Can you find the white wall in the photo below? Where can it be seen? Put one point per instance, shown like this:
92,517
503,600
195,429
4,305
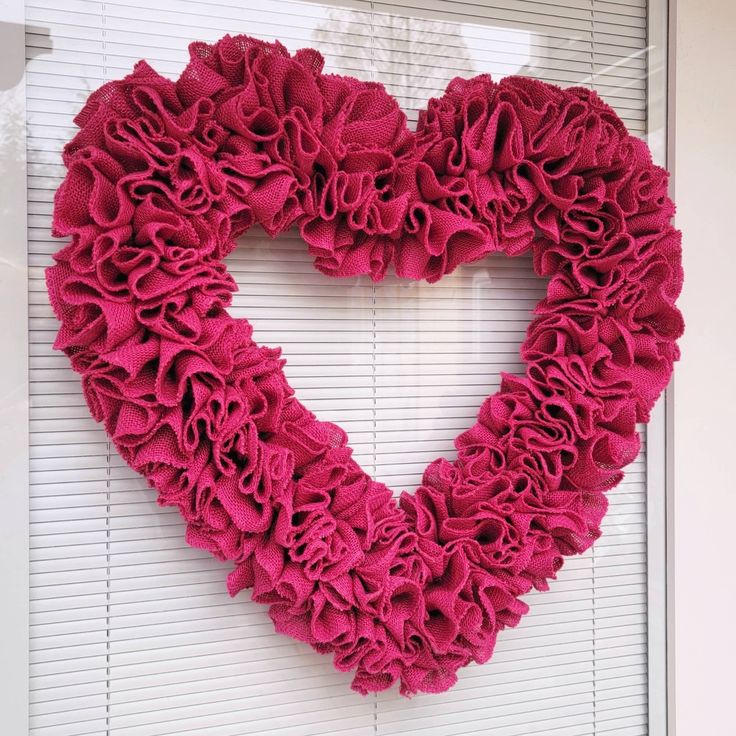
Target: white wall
704,405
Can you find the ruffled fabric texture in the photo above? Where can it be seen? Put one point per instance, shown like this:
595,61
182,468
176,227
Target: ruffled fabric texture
164,176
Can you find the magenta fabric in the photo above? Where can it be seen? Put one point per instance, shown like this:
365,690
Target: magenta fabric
164,176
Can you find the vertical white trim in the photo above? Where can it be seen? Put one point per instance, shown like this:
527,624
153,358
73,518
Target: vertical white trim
659,610
13,373
670,393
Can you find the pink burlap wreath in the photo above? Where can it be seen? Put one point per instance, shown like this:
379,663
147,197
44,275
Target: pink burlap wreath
162,179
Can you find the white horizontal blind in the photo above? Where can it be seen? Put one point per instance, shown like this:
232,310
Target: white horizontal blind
132,632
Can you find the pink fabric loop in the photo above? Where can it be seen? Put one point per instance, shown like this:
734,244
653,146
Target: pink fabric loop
164,176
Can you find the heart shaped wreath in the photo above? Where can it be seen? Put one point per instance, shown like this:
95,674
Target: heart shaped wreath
164,176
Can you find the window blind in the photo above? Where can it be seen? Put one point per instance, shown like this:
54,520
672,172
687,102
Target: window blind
132,632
